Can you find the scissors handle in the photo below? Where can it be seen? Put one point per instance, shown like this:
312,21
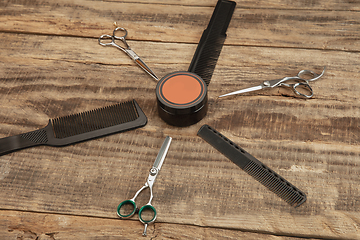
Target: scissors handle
144,209
122,30
302,89
312,76
126,203
129,206
303,86
147,213
104,38
108,40
147,208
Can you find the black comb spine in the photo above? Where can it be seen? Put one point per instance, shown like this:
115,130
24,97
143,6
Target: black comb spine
212,40
273,181
79,127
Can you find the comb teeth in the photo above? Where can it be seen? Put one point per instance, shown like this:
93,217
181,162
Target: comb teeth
253,166
275,183
207,61
94,120
212,40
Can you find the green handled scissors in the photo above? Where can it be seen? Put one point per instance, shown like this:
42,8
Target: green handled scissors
301,86
128,208
104,41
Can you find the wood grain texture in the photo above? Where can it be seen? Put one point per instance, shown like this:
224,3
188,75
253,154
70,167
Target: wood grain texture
51,65
297,28
16,225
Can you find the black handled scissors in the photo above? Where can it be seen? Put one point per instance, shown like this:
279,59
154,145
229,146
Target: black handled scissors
301,86
128,208
125,49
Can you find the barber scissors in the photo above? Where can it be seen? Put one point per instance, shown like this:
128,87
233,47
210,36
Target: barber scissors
301,86
147,213
125,49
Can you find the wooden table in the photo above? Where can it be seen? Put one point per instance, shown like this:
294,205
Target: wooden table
51,65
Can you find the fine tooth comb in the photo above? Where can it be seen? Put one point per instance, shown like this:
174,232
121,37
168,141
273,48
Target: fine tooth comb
212,41
79,127
273,181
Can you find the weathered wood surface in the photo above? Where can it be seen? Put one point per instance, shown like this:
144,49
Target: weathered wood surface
51,65
300,24
26,225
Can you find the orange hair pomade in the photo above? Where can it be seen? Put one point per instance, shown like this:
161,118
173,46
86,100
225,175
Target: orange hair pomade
181,98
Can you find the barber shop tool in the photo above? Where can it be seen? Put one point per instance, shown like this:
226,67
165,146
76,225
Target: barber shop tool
273,181
79,127
182,96
147,213
110,40
301,87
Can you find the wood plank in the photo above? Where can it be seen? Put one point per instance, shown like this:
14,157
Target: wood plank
51,65
91,178
283,4
41,226
308,28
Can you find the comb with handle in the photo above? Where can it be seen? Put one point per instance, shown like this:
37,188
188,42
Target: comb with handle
212,41
79,127
182,97
273,181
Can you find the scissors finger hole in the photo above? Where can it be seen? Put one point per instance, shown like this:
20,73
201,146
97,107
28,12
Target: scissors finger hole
105,40
122,32
147,214
126,209
303,89
308,75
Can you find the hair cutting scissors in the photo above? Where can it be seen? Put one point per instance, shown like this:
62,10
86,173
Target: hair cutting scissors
301,86
147,213
125,49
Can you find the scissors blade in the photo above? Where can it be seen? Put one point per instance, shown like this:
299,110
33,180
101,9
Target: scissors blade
142,64
251,89
162,153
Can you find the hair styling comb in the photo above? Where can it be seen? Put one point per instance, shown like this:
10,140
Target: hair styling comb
79,127
212,41
273,181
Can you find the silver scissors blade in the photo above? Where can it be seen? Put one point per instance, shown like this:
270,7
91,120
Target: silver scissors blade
251,89
142,64
162,153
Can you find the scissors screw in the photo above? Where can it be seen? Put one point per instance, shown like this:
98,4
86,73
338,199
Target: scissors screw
153,171
267,83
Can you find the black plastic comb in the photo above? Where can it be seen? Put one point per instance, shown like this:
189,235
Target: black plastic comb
79,127
212,40
273,181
